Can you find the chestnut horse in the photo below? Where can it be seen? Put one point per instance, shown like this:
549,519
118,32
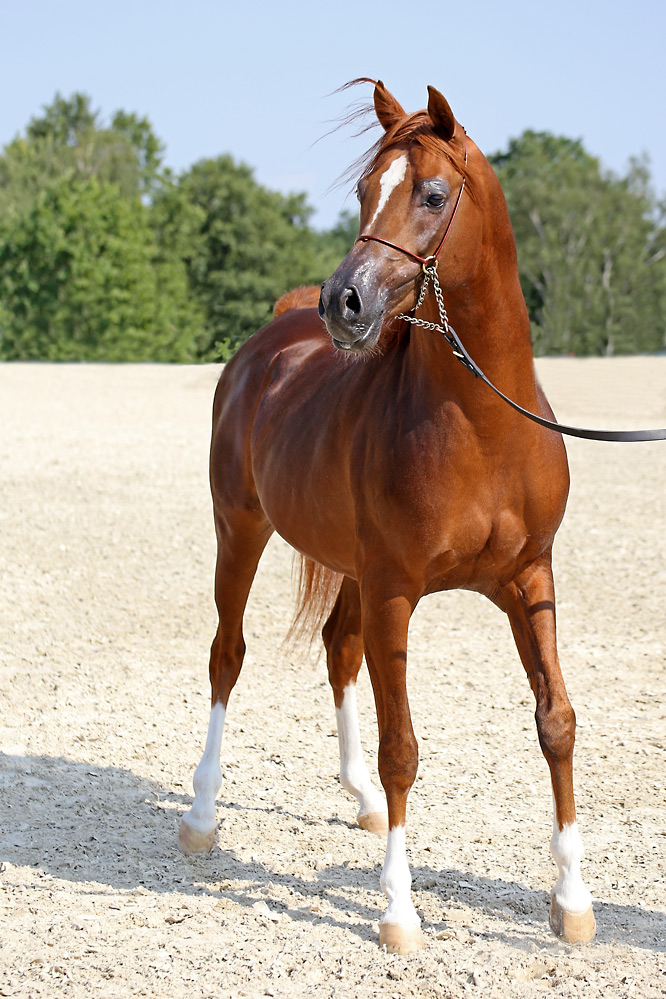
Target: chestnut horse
366,444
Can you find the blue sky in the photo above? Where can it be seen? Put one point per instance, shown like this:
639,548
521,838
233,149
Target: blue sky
252,78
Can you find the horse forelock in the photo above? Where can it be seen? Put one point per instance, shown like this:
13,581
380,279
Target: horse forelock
415,129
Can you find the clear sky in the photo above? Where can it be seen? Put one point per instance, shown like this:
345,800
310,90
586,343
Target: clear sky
251,77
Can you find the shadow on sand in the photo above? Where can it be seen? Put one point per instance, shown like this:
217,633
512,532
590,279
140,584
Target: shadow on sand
86,823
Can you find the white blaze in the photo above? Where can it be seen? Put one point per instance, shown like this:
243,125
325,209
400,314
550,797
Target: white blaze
390,179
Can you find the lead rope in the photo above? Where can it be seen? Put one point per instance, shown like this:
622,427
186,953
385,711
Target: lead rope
444,327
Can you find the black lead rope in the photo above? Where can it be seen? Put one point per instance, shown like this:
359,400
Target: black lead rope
560,428
459,351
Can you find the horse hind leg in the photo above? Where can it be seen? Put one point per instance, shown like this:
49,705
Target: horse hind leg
237,560
344,648
531,610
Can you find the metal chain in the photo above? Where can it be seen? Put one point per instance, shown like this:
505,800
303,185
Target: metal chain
443,327
429,266
431,275
451,337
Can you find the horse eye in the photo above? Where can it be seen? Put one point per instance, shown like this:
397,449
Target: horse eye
436,200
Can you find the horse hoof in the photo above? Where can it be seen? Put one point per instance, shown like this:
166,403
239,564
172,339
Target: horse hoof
191,841
571,926
374,822
400,939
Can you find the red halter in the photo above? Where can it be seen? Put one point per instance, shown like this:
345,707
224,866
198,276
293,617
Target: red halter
424,261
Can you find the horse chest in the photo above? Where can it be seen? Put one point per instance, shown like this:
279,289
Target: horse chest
449,509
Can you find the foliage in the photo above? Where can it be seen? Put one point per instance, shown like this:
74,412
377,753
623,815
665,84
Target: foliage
69,138
338,241
88,268
176,227
78,281
206,257
591,256
104,255
253,245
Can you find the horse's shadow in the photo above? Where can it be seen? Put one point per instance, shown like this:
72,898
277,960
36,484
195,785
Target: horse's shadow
84,822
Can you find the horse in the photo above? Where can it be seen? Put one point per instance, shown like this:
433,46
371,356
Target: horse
364,443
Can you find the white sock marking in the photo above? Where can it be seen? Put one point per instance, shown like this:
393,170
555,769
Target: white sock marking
567,850
396,881
208,776
390,179
354,775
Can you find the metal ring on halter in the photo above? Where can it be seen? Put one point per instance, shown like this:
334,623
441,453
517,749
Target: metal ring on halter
429,263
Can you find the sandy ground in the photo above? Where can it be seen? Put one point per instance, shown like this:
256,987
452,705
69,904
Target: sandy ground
106,615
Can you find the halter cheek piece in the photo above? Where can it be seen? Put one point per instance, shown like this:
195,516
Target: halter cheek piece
429,267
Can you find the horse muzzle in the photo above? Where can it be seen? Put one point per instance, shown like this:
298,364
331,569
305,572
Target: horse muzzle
352,322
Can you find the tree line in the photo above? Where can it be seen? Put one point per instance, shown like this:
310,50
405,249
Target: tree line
106,255
591,248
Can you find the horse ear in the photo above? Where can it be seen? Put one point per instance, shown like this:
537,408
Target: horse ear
388,110
441,115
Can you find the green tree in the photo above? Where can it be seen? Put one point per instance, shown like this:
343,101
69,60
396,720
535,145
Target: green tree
89,266
78,281
591,255
64,121
338,241
253,245
176,224
147,150
70,138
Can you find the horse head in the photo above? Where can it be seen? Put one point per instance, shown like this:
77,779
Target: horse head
409,195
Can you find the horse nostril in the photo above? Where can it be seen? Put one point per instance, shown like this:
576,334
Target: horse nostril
351,302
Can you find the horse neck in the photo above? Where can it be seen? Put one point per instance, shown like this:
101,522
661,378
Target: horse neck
489,314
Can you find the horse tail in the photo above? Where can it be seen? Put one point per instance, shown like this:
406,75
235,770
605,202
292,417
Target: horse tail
305,297
317,590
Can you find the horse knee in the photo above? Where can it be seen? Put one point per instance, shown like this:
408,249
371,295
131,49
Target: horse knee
556,725
398,761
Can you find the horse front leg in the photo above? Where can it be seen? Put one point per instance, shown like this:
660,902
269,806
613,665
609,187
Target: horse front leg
385,625
343,639
237,560
530,604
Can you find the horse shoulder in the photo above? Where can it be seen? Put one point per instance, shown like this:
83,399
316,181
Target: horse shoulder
252,374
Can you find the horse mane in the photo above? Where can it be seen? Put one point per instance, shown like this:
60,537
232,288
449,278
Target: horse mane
414,129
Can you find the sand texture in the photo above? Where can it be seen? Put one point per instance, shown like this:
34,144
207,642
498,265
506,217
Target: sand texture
106,616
